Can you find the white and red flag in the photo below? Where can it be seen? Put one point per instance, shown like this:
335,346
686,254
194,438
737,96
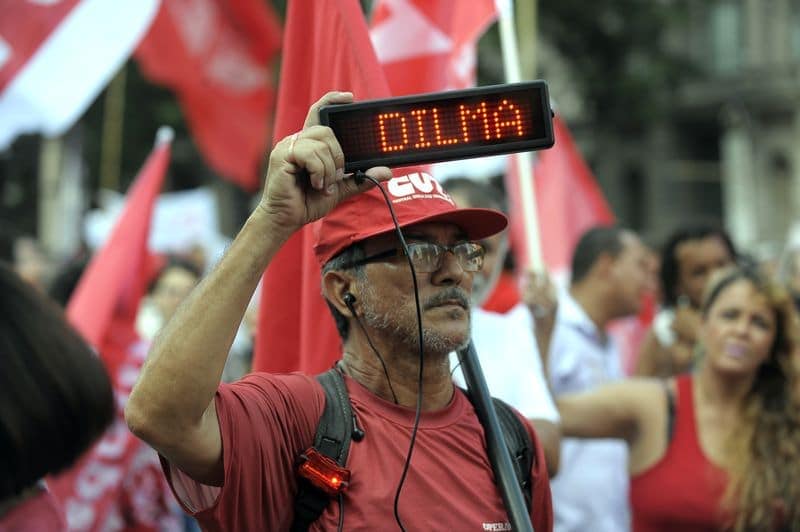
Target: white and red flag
216,56
326,47
429,45
117,483
57,55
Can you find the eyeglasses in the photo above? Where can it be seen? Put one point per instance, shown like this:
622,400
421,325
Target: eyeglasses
427,257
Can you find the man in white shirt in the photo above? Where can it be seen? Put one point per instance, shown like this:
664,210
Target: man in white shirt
609,278
507,344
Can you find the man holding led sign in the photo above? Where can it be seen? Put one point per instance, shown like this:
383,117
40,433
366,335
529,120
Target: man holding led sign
499,121
229,450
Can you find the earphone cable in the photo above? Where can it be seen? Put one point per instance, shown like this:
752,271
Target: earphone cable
358,176
377,354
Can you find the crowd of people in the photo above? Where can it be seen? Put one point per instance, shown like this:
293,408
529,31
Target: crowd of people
703,436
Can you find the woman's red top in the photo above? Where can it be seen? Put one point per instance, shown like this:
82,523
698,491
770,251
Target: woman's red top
682,491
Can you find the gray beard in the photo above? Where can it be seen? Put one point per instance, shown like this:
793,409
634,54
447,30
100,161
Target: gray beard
405,332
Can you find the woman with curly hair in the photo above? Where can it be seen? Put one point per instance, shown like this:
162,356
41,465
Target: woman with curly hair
717,449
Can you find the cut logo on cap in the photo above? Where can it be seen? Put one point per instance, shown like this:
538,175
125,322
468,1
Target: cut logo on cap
416,185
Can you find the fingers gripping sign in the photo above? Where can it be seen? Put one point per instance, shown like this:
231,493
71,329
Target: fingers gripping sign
306,178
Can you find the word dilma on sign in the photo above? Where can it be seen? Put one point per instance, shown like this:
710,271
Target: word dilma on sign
442,126
428,126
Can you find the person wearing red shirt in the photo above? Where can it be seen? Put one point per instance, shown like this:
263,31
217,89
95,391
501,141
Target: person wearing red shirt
717,449
230,451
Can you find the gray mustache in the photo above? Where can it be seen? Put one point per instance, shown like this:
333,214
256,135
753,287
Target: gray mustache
449,294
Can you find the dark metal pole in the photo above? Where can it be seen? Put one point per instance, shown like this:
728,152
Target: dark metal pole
498,452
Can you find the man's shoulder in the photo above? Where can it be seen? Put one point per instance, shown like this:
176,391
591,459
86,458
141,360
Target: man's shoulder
260,386
285,380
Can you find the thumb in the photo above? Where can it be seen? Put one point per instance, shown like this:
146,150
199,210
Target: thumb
381,173
348,187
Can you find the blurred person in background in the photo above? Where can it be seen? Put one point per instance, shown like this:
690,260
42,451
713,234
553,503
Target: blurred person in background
55,400
508,344
690,256
66,279
26,257
173,283
143,501
610,277
718,448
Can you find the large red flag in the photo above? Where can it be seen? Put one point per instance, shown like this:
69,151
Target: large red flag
326,47
103,309
216,55
568,199
429,45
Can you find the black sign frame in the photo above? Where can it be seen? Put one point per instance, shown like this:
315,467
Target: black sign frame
353,122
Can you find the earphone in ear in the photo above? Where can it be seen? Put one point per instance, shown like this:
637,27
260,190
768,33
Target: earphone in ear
349,300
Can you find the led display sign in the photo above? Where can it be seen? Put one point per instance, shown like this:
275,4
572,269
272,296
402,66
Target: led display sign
442,126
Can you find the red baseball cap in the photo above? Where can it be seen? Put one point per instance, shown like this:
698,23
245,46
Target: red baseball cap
416,198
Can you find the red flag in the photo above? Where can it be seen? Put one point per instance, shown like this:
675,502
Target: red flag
103,309
326,47
215,55
429,45
568,199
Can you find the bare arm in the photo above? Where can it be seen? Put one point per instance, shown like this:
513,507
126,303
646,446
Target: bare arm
651,357
616,410
544,333
539,295
549,435
172,405
656,360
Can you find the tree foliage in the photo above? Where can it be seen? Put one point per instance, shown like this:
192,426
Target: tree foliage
618,55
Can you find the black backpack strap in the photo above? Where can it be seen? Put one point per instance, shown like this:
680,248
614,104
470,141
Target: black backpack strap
519,444
335,428
334,432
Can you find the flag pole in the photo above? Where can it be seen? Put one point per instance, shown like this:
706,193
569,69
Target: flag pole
499,457
524,160
113,118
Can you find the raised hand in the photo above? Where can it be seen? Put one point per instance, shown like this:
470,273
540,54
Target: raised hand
306,178
539,294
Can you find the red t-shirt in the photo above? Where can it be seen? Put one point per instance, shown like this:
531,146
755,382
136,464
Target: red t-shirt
682,491
37,513
266,421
